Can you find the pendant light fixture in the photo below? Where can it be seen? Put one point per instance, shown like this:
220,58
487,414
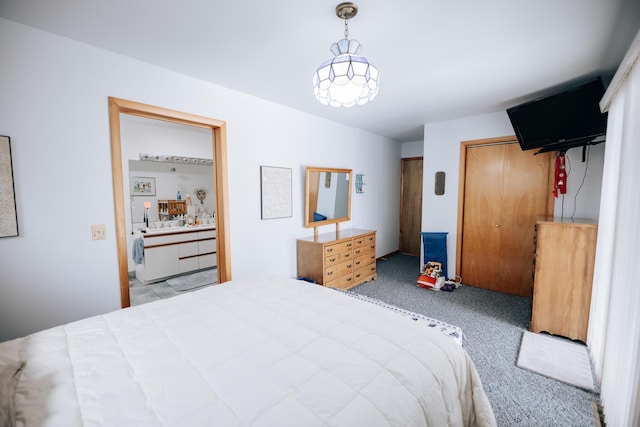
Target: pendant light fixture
348,79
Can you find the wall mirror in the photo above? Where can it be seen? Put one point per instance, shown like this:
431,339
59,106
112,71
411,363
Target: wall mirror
327,196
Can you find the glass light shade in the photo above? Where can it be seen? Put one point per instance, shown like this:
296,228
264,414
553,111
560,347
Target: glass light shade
346,80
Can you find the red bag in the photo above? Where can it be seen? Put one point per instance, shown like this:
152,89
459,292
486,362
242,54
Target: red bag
426,282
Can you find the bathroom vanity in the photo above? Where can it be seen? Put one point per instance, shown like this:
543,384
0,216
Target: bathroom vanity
177,250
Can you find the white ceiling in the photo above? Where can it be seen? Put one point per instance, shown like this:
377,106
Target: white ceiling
438,60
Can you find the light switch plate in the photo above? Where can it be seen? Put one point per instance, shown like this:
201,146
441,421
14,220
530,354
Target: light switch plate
98,232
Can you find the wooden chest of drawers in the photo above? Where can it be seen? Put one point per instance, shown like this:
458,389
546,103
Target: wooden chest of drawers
564,260
341,260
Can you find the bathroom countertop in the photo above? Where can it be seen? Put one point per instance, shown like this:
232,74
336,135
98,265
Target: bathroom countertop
175,230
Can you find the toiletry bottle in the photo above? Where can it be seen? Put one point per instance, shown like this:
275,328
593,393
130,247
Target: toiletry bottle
179,196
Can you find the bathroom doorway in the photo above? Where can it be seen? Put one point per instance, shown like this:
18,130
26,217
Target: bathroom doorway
119,108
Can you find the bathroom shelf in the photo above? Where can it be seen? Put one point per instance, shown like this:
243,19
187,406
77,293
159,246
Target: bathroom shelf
170,208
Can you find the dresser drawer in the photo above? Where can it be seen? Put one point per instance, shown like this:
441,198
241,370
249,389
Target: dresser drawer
337,258
335,271
361,250
364,240
344,282
338,247
362,275
333,259
366,259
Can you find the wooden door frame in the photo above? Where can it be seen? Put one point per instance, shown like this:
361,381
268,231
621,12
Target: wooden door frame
402,160
464,146
219,141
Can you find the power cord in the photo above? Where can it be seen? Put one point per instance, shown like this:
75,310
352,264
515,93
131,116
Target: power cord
586,168
456,281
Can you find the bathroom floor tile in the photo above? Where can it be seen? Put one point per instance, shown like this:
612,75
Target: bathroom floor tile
139,293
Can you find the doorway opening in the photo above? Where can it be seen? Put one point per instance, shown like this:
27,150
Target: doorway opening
218,134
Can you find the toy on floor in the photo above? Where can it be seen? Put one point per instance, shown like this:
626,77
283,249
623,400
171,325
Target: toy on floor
432,277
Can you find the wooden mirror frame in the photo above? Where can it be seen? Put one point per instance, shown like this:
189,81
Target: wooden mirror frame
309,196
219,141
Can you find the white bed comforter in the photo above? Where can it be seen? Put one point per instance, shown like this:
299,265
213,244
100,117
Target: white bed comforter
264,352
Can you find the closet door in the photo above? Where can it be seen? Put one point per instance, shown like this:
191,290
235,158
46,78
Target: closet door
505,190
411,206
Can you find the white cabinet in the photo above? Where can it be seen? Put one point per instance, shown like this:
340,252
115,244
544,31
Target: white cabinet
160,262
188,256
207,249
176,251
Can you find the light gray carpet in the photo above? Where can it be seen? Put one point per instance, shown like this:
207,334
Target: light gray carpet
195,280
556,358
492,327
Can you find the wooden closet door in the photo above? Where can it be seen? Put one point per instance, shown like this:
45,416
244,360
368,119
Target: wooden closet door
483,190
506,189
411,206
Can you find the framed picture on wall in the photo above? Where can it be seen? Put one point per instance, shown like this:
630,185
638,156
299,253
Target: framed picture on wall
8,212
142,186
276,195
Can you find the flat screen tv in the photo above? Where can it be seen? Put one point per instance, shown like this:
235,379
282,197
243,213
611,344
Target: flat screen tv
570,118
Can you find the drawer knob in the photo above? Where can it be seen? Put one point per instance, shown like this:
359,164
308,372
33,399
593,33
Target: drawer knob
332,259
329,249
329,273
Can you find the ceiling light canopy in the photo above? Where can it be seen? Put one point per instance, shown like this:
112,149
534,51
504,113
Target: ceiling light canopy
348,79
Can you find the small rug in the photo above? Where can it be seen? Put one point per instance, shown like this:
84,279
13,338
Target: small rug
195,280
556,358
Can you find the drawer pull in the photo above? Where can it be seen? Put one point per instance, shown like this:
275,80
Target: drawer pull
348,245
329,249
329,273
349,266
358,276
332,259
346,255
358,262
358,251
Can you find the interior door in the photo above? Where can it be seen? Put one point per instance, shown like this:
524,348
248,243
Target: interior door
505,190
411,206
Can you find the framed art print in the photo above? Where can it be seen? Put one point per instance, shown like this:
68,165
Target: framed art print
275,191
142,186
8,212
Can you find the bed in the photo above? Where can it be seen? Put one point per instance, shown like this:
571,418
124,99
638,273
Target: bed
260,352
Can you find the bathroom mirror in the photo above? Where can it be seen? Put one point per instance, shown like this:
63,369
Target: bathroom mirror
327,196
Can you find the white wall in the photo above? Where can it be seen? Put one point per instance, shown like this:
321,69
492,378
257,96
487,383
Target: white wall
411,149
582,202
54,106
442,142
